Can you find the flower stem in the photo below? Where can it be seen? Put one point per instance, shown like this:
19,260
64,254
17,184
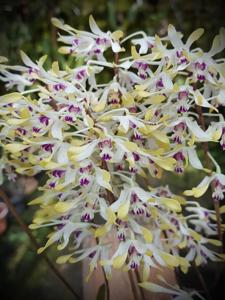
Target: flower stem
107,294
109,195
205,147
139,280
132,284
35,244
116,61
202,281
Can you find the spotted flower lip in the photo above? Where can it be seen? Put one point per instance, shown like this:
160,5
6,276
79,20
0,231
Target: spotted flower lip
36,129
48,147
44,120
96,140
182,95
58,173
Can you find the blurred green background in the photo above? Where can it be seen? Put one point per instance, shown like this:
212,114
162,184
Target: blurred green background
26,25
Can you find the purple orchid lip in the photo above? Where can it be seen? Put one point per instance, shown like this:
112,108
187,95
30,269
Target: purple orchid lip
183,95
114,101
143,76
44,120
86,217
155,172
222,141
174,221
201,77
141,65
75,42
101,41
119,167
106,157
92,254
134,265
73,108
132,125
159,83
179,54
131,250
177,139
68,119
59,87
179,169
36,129
58,173
97,51
138,211
133,109
182,109
136,156
144,66
200,66
77,233
179,156
52,184
22,131
217,183
105,143
47,147
223,145
206,213
84,181
121,237
181,126
223,130
32,70
86,169
183,60
203,253
133,170
134,198
137,136
81,74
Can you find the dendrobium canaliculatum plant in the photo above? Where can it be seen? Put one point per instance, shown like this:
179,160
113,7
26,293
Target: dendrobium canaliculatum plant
100,142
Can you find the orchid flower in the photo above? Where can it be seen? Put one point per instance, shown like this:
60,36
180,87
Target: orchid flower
100,143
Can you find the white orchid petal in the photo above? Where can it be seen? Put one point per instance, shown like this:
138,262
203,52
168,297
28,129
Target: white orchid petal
155,288
116,47
193,159
56,130
174,37
194,36
94,27
196,130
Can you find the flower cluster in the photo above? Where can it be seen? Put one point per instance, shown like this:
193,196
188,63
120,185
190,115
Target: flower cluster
99,143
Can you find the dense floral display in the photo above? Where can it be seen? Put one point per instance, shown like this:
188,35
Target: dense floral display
129,111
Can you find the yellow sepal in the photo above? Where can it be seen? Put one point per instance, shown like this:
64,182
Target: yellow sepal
119,261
